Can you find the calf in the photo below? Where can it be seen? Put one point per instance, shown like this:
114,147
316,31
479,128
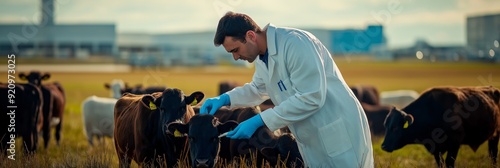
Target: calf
54,103
443,118
140,126
97,116
22,117
262,138
203,131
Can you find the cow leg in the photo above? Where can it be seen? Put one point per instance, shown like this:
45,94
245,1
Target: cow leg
123,161
452,156
46,131
493,149
90,138
58,131
439,159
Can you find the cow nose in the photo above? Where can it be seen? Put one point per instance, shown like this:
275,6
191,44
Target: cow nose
202,163
385,148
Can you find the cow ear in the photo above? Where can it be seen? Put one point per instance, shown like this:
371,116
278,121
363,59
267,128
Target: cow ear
107,86
408,120
177,129
227,126
149,101
23,76
45,77
194,98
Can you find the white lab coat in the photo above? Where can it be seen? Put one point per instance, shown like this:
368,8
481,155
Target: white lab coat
311,98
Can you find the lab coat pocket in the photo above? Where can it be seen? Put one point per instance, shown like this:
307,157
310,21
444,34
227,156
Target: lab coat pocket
335,138
284,90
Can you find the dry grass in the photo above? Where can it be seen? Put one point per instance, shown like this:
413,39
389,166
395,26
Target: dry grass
75,151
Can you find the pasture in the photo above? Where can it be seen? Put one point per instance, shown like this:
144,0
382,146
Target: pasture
74,150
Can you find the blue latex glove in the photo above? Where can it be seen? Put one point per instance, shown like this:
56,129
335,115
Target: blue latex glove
246,129
213,104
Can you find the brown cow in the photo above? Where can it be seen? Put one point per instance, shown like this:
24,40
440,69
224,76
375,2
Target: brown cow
140,126
366,93
54,102
443,118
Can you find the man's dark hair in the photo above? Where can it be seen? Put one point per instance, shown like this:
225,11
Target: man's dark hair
235,25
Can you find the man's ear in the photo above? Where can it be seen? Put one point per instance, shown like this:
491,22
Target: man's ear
194,98
149,101
23,76
251,35
227,126
46,76
177,129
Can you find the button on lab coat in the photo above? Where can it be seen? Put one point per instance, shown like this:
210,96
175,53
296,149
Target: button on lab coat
311,98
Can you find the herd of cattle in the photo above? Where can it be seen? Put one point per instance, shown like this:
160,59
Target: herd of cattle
160,122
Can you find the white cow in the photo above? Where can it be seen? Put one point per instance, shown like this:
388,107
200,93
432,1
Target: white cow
398,98
98,117
116,87
98,112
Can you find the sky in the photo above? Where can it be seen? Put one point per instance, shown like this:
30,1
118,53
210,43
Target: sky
439,22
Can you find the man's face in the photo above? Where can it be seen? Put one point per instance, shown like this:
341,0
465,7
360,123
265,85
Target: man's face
247,50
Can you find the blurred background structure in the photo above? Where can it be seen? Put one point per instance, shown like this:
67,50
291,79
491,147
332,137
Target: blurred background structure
48,39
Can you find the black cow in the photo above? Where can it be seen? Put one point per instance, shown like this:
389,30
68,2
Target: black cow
284,153
443,118
22,117
139,89
376,116
141,122
54,100
262,139
203,131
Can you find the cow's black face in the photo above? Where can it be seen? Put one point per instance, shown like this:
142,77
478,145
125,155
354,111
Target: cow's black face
34,77
172,106
395,124
204,140
203,132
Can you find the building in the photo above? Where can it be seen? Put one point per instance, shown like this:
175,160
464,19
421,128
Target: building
483,36
57,40
49,39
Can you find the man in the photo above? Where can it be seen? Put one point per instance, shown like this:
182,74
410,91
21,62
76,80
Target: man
296,71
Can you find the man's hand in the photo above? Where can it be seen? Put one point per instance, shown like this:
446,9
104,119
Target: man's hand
211,105
246,129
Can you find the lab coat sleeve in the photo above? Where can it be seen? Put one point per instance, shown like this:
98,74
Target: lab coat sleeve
250,94
304,61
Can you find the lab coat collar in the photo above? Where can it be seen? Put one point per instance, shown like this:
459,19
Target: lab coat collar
271,39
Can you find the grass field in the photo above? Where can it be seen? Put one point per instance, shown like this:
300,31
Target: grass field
75,151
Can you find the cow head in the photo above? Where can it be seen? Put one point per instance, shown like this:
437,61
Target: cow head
117,88
395,124
286,149
203,131
173,104
34,77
